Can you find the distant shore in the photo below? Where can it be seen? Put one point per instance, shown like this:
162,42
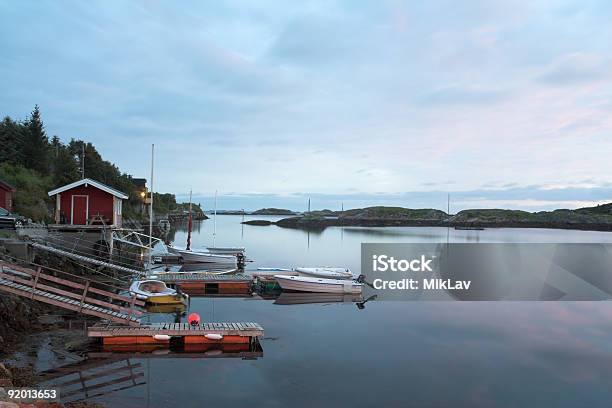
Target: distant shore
588,219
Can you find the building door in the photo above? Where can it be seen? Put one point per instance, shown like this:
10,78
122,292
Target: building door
80,209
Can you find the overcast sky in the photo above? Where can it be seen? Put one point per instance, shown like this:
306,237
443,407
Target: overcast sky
500,103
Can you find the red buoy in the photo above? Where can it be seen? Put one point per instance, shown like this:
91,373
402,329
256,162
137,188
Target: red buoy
194,319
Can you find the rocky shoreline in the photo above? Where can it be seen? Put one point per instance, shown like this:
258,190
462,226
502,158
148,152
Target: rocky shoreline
304,223
587,219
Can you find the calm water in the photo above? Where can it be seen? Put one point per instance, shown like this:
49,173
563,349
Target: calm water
398,354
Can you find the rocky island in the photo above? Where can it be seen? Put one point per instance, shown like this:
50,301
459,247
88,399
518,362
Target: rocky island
597,218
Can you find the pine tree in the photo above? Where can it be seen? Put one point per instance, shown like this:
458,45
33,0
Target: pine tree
35,144
10,135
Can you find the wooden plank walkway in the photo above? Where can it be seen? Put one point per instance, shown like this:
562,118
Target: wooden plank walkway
206,284
230,333
175,277
66,303
68,294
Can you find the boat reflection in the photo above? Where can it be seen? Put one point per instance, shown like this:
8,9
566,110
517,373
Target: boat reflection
179,308
298,298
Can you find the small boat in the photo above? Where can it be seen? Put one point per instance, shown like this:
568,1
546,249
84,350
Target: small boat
274,269
318,285
156,292
226,250
205,257
326,272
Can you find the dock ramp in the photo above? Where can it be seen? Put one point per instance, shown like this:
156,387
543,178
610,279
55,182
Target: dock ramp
69,294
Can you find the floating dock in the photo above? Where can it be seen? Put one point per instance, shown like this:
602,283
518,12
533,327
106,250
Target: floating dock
207,284
181,333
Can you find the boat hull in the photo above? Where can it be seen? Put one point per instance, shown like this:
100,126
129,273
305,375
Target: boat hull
226,250
166,300
204,257
328,273
317,285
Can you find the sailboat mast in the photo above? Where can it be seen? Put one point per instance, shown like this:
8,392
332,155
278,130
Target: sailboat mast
189,224
151,206
215,222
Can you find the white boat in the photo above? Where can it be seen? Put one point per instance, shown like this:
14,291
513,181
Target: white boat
326,272
155,292
206,257
190,256
226,250
173,250
318,285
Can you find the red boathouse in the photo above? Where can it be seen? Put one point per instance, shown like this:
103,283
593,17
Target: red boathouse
6,195
88,202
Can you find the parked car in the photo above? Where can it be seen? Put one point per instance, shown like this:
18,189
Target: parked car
11,220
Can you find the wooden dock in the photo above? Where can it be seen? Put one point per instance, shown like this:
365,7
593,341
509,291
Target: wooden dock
167,333
207,284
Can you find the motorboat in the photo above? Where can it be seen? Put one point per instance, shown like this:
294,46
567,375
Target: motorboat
326,272
206,257
319,272
156,292
190,256
226,250
318,285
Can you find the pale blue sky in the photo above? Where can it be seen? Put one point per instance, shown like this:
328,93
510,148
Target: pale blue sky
502,103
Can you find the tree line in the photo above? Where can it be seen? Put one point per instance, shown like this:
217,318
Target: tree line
35,164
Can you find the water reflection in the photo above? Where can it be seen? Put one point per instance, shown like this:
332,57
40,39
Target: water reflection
434,354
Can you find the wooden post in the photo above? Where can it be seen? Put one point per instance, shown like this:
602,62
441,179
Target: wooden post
35,281
131,310
84,294
111,244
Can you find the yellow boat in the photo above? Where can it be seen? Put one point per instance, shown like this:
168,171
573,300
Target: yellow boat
166,308
156,292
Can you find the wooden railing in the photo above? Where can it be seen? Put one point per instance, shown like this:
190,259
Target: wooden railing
68,288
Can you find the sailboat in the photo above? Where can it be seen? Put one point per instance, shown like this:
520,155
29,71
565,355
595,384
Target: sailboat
229,250
190,256
226,250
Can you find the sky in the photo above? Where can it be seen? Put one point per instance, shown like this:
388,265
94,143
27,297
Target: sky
502,104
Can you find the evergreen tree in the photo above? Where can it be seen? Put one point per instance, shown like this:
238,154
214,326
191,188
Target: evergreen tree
10,140
35,144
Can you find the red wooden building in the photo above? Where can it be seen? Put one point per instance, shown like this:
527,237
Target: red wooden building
88,202
6,195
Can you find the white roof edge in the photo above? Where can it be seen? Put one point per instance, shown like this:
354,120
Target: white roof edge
94,183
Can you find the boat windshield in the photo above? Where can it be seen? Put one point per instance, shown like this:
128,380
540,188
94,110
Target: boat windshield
153,287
